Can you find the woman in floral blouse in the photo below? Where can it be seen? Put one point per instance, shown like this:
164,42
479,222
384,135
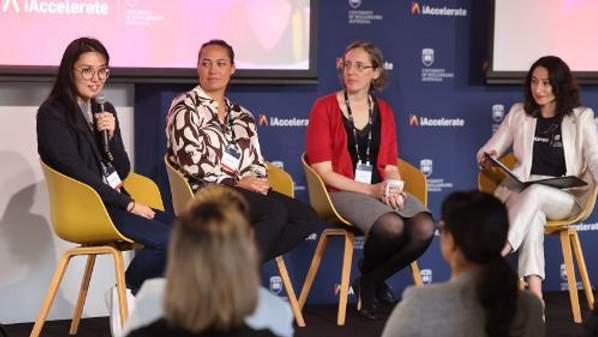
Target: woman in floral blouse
214,141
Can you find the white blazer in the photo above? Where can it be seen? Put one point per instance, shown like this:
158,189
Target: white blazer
580,145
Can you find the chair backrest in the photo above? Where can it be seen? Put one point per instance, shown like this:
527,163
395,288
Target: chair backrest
319,198
281,181
144,190
180,190
77,212
415,181
490,178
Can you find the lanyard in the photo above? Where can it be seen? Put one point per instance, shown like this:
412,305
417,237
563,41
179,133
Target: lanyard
227,125
350,113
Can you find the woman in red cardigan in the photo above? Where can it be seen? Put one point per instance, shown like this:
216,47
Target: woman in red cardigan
351,143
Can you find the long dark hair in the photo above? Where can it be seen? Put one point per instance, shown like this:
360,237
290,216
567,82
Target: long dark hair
479,224
564,87
64,90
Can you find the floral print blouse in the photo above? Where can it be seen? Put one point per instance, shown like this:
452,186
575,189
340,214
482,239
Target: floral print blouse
196,140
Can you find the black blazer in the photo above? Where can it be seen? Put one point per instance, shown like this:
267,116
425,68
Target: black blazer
74,150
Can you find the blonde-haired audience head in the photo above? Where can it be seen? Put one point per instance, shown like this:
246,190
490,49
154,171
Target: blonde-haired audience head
212,271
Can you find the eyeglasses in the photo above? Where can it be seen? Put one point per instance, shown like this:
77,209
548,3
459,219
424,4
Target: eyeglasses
87,73
358,66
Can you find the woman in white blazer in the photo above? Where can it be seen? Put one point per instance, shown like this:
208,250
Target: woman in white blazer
551,135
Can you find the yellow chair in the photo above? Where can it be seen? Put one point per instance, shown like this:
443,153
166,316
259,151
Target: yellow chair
281,182
78,215
490,178
319,199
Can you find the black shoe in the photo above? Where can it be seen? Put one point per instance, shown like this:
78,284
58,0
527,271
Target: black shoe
385,295
367,308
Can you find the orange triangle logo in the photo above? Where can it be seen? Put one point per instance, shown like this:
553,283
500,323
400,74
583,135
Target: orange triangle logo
413,120
263,120
415,8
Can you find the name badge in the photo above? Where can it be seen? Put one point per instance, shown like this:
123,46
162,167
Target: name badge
363,173
230,160
112,178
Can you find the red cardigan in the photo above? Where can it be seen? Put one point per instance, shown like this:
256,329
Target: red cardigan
326,138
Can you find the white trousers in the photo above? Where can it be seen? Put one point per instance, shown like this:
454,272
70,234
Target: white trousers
528,211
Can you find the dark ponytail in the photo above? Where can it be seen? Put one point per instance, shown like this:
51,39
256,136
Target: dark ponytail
497,291
479,224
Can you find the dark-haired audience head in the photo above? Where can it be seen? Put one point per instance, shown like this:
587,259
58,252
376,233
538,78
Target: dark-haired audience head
476,224
212,270
82,72
473,233
215,65
549,80
362,66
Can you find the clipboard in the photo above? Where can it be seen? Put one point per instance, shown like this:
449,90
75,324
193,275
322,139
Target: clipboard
557,182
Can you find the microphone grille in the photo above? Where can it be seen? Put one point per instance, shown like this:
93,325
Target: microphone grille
101,99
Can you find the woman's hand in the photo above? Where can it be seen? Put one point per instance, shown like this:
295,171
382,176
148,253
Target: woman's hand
395,200
484,162
105,121
254,184
141,210
378,190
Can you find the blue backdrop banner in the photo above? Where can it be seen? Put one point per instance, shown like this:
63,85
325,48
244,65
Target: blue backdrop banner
435,52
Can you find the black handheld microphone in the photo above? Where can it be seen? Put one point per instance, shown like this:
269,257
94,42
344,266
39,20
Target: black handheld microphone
101,100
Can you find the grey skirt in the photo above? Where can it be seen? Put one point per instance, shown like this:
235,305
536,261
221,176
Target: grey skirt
362,210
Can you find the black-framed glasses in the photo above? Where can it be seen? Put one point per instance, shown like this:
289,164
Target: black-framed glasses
358,66
87,73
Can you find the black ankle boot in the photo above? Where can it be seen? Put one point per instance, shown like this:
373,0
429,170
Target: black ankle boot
385,295
367,304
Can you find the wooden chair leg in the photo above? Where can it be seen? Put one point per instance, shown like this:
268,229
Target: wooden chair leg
581,266
568,259
54,285
313,268
346,274
417,276
288,286
82,294
119,266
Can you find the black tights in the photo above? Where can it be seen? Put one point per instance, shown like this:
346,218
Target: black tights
392,244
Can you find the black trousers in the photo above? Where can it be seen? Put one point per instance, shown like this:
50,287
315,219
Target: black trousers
280,222
149,262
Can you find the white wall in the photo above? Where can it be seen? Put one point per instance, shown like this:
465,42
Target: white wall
29,250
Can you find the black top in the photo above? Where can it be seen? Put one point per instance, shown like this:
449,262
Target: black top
73,150
548,155
362,138
162,328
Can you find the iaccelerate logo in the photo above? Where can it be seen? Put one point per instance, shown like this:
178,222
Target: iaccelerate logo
7,3
417,9
263,120
57,7
337,290
586,227
415,120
